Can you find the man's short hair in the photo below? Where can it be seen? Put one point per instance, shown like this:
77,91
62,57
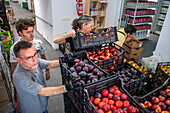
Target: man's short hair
23,24
130,29
21,45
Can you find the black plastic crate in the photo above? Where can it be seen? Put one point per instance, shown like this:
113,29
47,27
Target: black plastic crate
151,94
132,86
68,60
161,71
83,41
70,106
106,84
112,63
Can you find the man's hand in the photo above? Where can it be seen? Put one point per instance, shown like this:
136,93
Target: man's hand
73,84
128,39
47,74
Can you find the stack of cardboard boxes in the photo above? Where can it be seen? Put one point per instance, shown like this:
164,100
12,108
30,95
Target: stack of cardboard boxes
133,49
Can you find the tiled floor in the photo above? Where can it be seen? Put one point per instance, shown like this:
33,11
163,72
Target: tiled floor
56,104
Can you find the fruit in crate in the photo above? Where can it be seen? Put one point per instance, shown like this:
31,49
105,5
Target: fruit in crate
159,103
87,72
126,75
103,54
110,103
166,69
140,68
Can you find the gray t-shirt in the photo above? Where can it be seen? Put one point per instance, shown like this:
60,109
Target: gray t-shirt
28,84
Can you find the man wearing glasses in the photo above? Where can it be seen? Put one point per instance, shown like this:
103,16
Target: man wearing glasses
32,91
25,29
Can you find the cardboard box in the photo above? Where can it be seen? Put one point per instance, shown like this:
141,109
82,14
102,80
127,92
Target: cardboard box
133,44
135,53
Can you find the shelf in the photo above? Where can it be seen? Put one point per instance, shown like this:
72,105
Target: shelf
165,5
138,15
159,24
157,32
100,16
143,30
94,0
139,7
105,2
140,38
141,23
163,12
161,18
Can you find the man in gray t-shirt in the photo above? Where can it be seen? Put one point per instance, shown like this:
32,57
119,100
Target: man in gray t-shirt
29,81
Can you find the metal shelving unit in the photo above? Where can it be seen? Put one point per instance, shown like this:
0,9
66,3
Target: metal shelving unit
4,23
135,7
164,4
5,73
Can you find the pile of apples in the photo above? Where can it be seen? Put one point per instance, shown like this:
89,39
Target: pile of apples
106,53
112,101
87,73
160,104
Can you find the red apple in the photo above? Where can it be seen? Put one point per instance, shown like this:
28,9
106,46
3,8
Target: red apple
161,98
112,107
110,96
117,92
167,102
106,107
162,105
118,104
115,87
91,98
111,102
126,103
100,105
156,108
100,111
123,97
111,90
132,109
116,97
147,104
116,111
105,92
154,100
105,100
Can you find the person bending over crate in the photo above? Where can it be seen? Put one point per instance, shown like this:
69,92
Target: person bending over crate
125,34
83,24
32,92
25,29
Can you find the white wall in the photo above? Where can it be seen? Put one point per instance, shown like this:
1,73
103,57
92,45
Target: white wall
61,13
43,10
64,12
163,45
112,12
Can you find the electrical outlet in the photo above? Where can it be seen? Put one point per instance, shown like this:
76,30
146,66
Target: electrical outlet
65,18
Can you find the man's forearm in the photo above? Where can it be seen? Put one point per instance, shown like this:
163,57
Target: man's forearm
49,91
53,64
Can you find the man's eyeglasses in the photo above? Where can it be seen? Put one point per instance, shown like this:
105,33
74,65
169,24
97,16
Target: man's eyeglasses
30,57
